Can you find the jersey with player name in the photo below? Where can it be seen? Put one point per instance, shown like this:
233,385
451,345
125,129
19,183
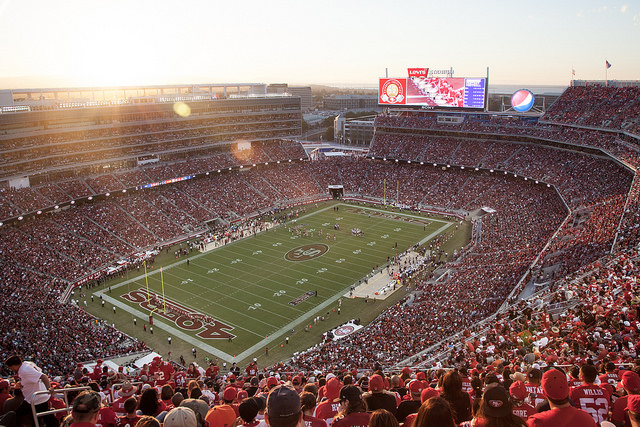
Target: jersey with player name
592,399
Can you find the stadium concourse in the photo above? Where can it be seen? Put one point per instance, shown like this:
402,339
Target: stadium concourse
565,194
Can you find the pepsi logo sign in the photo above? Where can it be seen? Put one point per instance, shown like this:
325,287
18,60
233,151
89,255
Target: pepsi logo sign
522,100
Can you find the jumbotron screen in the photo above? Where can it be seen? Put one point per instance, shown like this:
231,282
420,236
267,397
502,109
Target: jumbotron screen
446,92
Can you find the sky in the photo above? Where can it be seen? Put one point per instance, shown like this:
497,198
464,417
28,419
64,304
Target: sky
77,43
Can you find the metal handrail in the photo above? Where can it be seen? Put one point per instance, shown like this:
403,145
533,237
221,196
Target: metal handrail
66,409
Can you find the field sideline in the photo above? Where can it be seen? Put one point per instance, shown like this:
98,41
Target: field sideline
235,301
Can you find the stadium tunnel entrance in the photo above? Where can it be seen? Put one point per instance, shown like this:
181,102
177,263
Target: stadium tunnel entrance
336,191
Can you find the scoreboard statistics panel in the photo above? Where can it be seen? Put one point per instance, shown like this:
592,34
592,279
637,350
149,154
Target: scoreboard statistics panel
446,92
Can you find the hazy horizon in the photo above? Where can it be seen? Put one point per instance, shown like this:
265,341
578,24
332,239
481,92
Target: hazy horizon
89,43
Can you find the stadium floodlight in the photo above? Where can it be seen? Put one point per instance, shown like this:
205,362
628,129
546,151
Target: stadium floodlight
39,212
90,197
56,207
421,163
73,202
124,191
20,218
107,194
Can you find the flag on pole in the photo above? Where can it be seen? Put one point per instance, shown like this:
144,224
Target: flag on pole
573,72
607,64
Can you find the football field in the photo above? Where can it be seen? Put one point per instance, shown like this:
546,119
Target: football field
236,300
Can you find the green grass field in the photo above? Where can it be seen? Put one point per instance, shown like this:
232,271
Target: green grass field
255,291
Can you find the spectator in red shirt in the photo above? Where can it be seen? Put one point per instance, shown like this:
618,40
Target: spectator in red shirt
353,412
308,402
130,419
556,388
590,397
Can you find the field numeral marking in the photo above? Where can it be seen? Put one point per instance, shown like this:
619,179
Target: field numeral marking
255,306
213,270
184,282
279,293
340,261
322,270
324,224
371,244
293,237
277,244
384,236
257,252
397,229
302,281
339,218
235,261
357,251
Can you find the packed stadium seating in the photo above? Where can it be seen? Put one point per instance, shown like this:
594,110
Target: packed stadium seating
564,191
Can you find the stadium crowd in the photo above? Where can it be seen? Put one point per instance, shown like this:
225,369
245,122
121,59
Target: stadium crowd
594,324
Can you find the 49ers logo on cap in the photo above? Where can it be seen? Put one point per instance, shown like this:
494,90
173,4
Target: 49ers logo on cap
496,403
307,252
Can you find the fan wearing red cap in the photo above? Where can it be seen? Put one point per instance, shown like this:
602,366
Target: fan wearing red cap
411,406
633,407
590,397
327,409
556,389
518,393
377,397
630,382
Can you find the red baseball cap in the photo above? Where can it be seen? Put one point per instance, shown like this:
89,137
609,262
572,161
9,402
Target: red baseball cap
416,387
272,382
376,383
518,390
230,393
631,381
555,385
428,393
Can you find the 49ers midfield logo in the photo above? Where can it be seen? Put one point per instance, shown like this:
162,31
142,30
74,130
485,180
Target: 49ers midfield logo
307,252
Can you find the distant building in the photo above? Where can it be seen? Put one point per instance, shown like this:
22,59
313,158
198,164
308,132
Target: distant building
351,102
353,131
303,92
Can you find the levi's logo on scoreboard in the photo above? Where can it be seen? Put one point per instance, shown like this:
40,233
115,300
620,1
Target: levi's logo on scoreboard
418,72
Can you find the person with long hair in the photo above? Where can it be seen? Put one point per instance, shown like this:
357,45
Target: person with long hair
383,418
353,411
149,404
496,409
435,412
458,399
